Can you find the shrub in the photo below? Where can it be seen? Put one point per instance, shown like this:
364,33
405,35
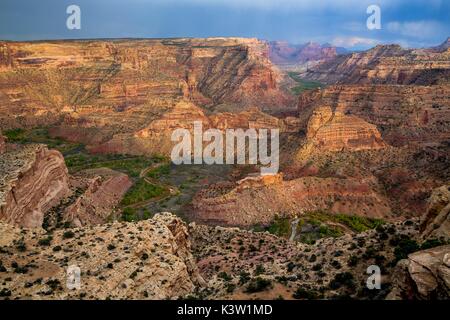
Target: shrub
244,277
431,243
129,214
141,191
223,275
404,248
68,234
342,279
257,285
45,241
259,270
302,293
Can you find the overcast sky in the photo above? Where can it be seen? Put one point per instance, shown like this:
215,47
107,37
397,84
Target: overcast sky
411,23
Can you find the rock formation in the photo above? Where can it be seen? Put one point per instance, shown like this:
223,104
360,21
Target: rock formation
385,64
288,56
436,221
328,131
424,275
104,189
32,180
109,83
249,201
146,260
403,114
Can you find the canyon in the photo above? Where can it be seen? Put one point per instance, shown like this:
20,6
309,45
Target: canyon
386,64
364,170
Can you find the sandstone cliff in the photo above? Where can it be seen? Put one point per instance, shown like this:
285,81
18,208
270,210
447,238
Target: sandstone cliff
88,78
335,131
104,189
403,114
424,275
290,57
32,180
249,202
436,221
385,64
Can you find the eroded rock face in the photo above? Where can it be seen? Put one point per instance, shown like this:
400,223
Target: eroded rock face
112,87
436,221
156,137
403,114
385,64
238,205
104,189
328,131
424,275
32,180
145,260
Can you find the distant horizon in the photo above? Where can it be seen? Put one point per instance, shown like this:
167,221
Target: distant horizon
409,23
216,37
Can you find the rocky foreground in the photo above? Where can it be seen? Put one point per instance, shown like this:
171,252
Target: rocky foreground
162,258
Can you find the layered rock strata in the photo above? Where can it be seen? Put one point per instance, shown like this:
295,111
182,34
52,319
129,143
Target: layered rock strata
32,180
403,114
104,189
257,201
385,64
335,131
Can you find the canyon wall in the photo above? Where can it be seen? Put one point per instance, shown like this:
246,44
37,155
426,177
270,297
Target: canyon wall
385,64
291,57
32,180
259,203
107,93
104,189
335,131
403,114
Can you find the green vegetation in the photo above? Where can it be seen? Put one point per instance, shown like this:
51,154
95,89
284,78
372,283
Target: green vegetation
404,248
45,241
68,234
342,279
15,135
280,227
321,225
40,135
141,191
157,172
357,223
257,285
303,85
131,165
302,293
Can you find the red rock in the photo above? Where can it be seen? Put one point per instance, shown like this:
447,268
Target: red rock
104,191
32,180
